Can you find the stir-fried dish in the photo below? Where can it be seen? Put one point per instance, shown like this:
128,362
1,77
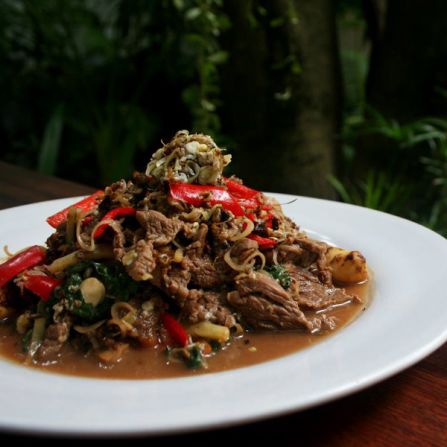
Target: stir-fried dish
180,260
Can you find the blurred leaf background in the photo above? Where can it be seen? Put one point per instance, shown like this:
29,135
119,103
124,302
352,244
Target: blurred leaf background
342,99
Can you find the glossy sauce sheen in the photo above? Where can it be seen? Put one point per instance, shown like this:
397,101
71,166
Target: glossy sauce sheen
147,363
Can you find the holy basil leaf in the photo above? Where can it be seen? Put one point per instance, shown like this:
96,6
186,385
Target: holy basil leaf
118,284
281,275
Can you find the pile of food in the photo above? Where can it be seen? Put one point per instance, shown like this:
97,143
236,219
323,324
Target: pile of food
179,259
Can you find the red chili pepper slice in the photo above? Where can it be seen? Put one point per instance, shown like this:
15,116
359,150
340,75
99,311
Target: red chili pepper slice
22,261
197,195
238,190
87,204
263,242
246,197
41,285
248,204
175,330
269,220
113,214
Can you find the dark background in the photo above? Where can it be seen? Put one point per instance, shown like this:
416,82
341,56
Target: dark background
340,99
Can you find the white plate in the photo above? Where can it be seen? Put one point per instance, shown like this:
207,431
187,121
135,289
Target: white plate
406,321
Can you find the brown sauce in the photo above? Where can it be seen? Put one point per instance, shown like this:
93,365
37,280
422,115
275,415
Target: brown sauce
250,349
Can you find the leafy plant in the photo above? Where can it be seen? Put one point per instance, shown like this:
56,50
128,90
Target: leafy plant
88,87
379,191
414,182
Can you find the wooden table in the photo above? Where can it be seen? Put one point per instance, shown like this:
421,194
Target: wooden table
409,409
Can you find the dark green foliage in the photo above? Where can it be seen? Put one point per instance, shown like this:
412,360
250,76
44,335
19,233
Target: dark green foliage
119,287
90,87
75,304
402,169
281,275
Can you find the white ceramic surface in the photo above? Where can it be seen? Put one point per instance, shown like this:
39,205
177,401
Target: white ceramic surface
406,321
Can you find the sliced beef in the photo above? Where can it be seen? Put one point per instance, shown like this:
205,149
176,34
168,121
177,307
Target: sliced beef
124,240
305,252
312,293
204,305
264,304
174,281
296,254
140,261
160,229
203,272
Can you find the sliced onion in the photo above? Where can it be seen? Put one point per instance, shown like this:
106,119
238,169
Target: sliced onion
128,317
248,263
122,326
248,229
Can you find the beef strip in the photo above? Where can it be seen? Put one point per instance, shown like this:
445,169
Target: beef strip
174,281
264,304
159,229
305,252
206,305
313,294
203,272
296,254
124,240
140,261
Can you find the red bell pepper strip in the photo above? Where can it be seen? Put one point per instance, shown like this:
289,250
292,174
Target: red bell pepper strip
41,285
238,190
113,214
245,196
197,195
248,204
263,242
269,220
87,204
22,261
175,330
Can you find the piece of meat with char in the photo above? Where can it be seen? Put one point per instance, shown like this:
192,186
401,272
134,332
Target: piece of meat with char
203,271
207,305
264,304
313,294
139,261
303,252
160,229
174,282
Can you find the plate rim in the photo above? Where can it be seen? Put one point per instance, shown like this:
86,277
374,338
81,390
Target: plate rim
397,366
